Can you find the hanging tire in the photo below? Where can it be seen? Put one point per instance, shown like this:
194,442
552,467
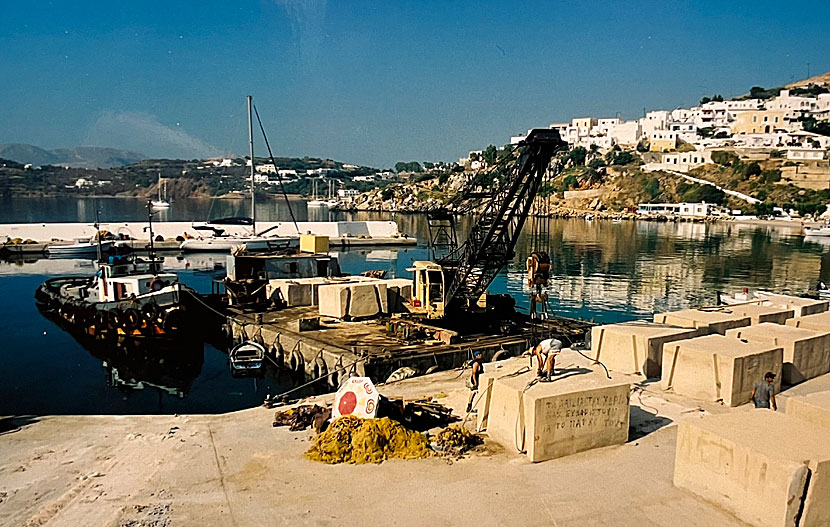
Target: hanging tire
131,320
151,312
114,317
173,321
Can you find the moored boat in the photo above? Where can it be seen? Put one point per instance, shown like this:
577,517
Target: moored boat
247,356
79,248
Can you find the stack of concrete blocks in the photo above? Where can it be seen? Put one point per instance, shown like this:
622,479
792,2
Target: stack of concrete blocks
765,312
813,408
800,306
708,320
575,413
399,292
635,347
353,300
768,468
816,322
716,368
806,351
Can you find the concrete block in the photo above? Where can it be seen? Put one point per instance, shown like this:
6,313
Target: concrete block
817,322
294,292
382,296
581,410
635,347
813,408
715,368
800,306
363,301
334,300
398,293
760,313
806,351
759,465
710,320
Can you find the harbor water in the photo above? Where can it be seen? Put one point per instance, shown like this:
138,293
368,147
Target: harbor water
603,271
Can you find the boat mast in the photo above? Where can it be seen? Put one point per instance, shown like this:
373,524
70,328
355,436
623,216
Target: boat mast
153,268
251,147
98,232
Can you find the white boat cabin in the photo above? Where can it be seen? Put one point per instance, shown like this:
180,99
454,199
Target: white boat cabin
121,279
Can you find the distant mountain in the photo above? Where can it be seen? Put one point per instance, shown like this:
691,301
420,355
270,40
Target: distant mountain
78,157
23,153
96,157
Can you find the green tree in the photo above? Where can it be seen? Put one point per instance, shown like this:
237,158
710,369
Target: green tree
490,154
577,156
724,158
596,163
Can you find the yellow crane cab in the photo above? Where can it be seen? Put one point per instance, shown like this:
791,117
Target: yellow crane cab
428,289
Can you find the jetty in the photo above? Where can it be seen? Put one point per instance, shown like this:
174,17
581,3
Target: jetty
35,238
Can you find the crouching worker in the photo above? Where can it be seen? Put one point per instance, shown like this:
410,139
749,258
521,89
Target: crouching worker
472,383
546,352
764,392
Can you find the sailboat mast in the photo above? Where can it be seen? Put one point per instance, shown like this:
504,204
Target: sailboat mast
251,146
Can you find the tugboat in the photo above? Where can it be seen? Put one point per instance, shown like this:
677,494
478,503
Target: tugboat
128,297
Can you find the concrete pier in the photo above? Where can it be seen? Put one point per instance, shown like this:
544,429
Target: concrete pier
340,233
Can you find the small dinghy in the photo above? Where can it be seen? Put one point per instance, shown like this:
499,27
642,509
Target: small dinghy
247,356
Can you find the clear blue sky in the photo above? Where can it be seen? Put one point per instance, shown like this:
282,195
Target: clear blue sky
376,82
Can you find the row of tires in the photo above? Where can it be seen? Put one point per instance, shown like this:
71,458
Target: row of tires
148,320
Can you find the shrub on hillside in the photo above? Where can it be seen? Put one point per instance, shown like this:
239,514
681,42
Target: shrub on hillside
724,158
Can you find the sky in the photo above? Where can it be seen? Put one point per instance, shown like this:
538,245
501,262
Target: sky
374,83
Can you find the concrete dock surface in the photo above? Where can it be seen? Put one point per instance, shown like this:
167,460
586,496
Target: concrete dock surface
236,469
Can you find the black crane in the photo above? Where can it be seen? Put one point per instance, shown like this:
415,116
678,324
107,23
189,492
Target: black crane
467,271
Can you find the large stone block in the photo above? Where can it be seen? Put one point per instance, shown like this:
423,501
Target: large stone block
806,351
294,293
581,410
800,306
715,368
817,322
759,465
760,313
709,320
363,301
635,347
813,408
334,300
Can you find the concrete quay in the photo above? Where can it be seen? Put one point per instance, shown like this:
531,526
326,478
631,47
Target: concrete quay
235,469
342,234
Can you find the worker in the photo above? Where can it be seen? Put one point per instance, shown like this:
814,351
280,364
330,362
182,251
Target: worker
764,392
478,368
546,352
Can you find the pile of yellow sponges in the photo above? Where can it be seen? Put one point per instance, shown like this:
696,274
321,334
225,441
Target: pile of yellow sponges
455,440
350,439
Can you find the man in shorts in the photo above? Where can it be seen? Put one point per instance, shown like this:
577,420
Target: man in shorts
546,352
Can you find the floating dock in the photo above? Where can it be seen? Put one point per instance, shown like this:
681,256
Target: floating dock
376,348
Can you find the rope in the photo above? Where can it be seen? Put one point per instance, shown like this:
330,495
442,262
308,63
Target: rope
309,383
279,178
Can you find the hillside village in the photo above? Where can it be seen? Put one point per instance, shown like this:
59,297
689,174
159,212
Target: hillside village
763,153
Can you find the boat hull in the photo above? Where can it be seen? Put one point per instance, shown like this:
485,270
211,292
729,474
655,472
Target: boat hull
78,249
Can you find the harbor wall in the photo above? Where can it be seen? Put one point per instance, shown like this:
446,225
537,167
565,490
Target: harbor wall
172,229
